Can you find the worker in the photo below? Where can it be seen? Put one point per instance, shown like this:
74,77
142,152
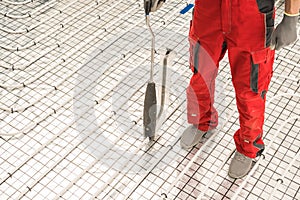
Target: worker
244,28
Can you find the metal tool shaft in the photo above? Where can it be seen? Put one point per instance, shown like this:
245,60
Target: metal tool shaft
152,48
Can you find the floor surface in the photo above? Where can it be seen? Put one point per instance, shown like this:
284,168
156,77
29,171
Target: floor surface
73,80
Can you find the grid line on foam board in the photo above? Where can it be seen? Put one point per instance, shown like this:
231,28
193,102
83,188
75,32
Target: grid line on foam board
64,29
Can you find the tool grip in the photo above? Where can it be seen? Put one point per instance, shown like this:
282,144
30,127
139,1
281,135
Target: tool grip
147,6
150,110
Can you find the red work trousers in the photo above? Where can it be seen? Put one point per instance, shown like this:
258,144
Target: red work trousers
244,28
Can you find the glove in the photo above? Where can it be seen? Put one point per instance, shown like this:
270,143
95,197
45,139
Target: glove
152,5
285,33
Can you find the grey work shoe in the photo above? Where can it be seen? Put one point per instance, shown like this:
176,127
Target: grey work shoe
190,137
240,165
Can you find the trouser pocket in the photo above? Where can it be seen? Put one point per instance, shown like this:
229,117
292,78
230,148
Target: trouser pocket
261,70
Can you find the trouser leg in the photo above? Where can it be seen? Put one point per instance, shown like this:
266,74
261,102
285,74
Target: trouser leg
251,62
251,82
206,50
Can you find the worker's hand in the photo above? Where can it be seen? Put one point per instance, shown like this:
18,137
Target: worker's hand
152,5
285,33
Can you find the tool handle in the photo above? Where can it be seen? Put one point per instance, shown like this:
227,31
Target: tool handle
147,6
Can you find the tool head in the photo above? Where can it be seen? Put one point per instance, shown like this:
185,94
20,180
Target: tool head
150,110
